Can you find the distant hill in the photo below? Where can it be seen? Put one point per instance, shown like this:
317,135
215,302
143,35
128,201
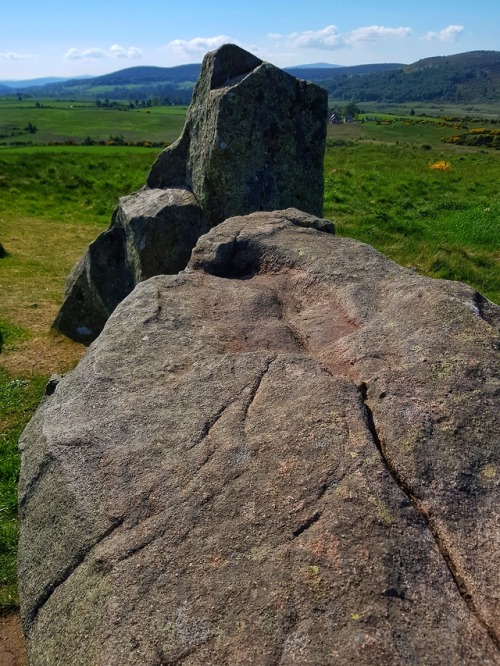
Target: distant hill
29,83
468,59
167,84
145,75
464,77
176,83
320,74
314,65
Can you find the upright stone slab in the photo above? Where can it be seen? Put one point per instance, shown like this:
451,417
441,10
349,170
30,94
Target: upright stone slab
254,140
286,454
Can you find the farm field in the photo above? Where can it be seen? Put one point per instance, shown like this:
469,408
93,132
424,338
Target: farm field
380,188
485,110
76,122
427,204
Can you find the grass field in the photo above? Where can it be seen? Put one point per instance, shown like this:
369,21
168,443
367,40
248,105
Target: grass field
53,202
379,188
488,110
76,121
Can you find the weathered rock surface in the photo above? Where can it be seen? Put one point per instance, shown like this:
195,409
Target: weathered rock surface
254,139
152,232
287,454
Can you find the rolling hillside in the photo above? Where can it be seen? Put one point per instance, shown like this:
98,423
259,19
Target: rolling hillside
462,78
30,83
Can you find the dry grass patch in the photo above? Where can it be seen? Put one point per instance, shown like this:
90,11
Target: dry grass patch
32,276
44,355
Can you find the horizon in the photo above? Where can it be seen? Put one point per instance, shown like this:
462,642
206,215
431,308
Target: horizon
317,65
108,37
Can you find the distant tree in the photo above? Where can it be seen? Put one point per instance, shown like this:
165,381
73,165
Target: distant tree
412,112
117,140
351,109
31,128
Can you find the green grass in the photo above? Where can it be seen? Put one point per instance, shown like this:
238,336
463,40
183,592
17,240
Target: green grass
72,121
54,201
10,335
19,397
486,109
78,185
445,224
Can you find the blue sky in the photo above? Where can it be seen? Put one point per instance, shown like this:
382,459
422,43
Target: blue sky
71,38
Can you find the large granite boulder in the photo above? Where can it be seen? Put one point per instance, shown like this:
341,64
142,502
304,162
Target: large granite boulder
254,139
286,454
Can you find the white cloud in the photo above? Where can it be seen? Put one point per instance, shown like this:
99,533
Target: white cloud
16,56
449,34
119,52
328,39
373,33
199,45
76,54
115,51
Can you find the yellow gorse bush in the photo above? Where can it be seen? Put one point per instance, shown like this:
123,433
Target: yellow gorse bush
440,166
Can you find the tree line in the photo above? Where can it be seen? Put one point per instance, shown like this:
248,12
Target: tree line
452,83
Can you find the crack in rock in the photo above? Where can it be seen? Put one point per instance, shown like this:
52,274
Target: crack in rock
47,463
209,423
254,388
307,524
458,580
77,560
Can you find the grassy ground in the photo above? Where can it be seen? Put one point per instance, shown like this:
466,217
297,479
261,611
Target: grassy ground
485,110
75,121
379,188
19,397
54,201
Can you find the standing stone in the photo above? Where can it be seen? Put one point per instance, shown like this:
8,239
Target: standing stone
254,140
